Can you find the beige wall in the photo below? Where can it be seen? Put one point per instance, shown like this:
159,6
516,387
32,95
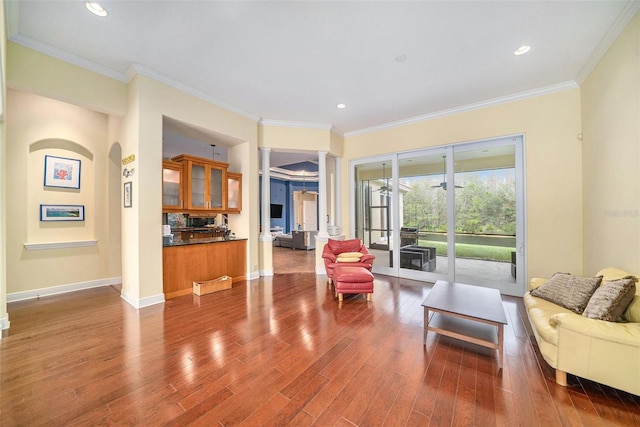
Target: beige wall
36,72
550,124
611,156
295,138
155,100
134,127
4,317
62,130
149,102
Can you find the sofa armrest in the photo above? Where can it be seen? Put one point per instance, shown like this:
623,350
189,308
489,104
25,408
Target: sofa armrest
537,282
623,333
368,258
328,255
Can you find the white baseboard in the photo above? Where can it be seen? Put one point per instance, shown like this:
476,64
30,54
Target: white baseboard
142,302
54,290
4,326
266,273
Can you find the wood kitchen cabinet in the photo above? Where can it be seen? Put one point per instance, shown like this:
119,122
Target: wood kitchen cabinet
172,195
205,183
234,192
185,264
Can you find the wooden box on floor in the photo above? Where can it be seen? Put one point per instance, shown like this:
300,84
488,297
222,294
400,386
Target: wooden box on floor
210,286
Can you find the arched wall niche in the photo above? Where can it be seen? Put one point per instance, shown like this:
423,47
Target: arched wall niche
61,144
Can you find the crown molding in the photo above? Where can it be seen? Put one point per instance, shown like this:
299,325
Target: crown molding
67,57
291,175
289,124
470,107
629,11
127,76
135,69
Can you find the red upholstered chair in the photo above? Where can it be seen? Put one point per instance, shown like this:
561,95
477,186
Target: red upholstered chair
333,248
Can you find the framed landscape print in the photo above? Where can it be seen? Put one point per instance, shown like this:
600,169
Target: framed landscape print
61,172
61,212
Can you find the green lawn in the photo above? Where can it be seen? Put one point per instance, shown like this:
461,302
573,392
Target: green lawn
463,250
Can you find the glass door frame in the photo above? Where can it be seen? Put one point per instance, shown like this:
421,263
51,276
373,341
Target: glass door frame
449,151
388,159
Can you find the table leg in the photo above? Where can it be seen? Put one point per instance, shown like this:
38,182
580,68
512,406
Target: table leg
426,326
500,345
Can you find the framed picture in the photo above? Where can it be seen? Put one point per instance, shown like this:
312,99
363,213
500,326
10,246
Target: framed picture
61,172
61,212
128,194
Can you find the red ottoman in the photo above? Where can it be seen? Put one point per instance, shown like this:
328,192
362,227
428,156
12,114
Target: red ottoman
352,280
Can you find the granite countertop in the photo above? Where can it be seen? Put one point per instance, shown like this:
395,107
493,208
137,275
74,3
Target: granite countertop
201,241
178,229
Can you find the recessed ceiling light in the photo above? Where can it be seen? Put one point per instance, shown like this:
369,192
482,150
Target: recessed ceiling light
95,8
401,58
522,50
341,106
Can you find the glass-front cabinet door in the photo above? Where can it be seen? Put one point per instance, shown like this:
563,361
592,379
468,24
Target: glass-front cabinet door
198,186
172,186
234,192
205,183
217,188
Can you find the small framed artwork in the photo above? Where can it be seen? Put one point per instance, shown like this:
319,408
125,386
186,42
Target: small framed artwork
61,212
61,172
128,194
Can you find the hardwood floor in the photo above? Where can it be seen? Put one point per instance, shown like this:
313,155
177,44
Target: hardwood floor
279,351
287,260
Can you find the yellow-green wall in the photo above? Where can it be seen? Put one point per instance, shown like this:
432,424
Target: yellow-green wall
295,138
149,102
550,124
4,317
36,72
611,156
130,114
62,130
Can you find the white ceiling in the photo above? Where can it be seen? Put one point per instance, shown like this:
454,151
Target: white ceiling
294,61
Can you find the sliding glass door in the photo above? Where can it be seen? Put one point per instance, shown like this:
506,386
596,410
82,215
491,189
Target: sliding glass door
374,217
453,213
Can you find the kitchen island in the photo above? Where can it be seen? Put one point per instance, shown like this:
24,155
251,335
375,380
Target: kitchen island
197,260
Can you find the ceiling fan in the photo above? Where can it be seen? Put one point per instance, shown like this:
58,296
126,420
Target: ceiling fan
385,190
304,189
443,184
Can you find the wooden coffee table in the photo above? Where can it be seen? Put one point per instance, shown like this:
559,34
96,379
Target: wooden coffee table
468,313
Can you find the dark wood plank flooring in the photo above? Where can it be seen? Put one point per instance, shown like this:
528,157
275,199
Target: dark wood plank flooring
279,351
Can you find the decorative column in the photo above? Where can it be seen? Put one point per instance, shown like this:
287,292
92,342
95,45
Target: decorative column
337,220
323,236
265,239
266,194
322,194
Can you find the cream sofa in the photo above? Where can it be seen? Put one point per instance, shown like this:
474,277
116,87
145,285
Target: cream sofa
601,351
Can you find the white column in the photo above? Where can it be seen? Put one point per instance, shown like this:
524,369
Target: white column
337,221
322,194
266,194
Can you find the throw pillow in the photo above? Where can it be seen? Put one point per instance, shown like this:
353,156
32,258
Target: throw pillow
347,259
611,299
351,254
568,291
